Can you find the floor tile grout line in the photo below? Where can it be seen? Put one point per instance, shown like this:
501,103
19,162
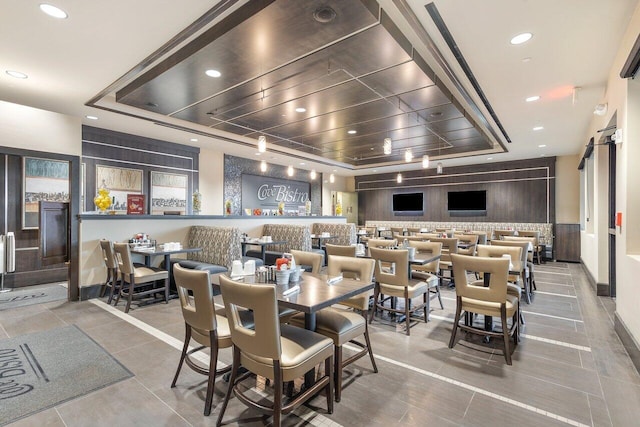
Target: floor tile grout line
552,316
555,294
162,336
481,391
161,400
532,337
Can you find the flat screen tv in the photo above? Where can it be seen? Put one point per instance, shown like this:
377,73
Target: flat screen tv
408,204
467,200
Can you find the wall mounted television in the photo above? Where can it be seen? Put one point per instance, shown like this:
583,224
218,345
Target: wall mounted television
469,202
408,204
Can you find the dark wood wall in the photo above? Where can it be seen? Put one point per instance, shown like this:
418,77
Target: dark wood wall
115,149
519,191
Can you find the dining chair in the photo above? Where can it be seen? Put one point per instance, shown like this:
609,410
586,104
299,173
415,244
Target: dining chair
394,282
280,353
342,250
497,234
136,277
514,253
482,236
202,324
531,250
306,259
108,255
487,297
471,240
521,266
428,272
397,232
344,325
537,247
449,247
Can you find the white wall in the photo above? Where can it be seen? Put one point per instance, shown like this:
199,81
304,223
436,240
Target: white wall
29,128
567,197
211,179
623,99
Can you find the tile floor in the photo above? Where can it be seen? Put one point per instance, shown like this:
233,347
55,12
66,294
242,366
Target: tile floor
569,369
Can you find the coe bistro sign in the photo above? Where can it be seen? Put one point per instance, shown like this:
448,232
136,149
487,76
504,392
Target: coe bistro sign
259,192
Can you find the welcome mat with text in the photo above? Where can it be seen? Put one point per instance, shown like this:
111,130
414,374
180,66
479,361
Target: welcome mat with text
29,295
43,369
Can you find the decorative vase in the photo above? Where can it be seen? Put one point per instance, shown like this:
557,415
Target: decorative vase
196,202
227,207
102,200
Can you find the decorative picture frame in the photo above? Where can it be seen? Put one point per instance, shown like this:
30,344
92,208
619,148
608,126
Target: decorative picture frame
168,193
120,182
42,180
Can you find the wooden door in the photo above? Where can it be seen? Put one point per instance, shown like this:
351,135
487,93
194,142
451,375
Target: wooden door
54,232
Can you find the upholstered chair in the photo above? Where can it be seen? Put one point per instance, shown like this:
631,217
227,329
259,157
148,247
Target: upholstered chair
110,261
306,259
341,250
428,273
280,353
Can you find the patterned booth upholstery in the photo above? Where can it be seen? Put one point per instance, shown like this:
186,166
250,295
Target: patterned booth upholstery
345,233
298,237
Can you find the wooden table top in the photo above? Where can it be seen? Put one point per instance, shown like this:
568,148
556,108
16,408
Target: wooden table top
314,294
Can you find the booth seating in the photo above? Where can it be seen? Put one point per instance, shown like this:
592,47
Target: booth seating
345,234
296,237
220,247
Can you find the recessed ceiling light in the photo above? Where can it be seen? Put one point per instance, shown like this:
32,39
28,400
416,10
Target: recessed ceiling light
538,128
489,158
352,132
16,74
542,145
53,11
302,163
300,110
527,59
521,38
258,153
194,140
375,170
533,98
91,117
213,73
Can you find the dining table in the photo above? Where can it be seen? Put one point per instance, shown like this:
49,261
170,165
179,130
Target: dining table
153,251
310,294
262,244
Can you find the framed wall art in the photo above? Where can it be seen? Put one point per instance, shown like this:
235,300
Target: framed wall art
120,182
168,193
42,180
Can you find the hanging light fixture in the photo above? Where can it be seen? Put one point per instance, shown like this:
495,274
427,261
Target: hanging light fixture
425,161
387,146
262,143
408,156
313,174
263,166
439,168
290,170
332,178
399,178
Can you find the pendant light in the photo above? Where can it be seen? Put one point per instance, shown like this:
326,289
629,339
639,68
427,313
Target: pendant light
290,170
408,156
332,178
263,166
425,161
439,168
386,146
262,144
399,178
312,174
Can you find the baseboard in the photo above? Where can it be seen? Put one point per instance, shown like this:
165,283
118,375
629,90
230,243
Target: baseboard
89,292
601,289
629,343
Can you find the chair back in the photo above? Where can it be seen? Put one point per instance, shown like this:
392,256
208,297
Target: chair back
530,233
398,274
312,259
498,268
360,269
108,254
263,340
497,234
413,230
523,246
397,231
471,239
341,250
482,236
197,307
429,249
497,251
123,256
449,246
529,249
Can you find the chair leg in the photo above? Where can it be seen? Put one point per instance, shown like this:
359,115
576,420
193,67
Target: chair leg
439,297
185,348
106,283
166,290
232,380
130,296
328,367
368,342
376,292
337,356
455,322
277,394
505,334
407,312
213,363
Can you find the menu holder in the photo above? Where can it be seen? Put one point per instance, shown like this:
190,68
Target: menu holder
135,204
